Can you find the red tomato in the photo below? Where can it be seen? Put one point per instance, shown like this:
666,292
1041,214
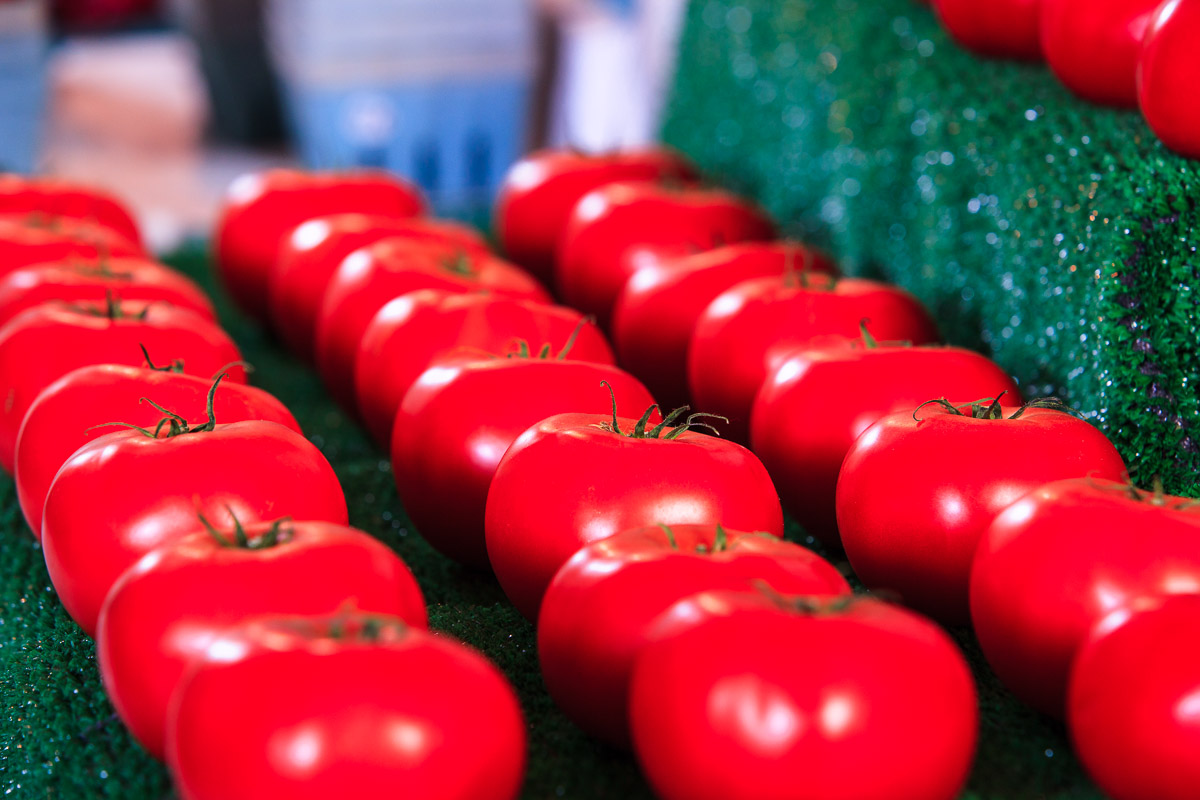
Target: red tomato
622,227
127,278
56,198
995,28
1134,710
330,719
919,489
574,479
25,241
539,192
64,417
310,255
39,346
172,604
368,278
458,420
598,610
1168,74
816,403
1062,558
745,332
757,698
261,209
1093,46
412,331
657,310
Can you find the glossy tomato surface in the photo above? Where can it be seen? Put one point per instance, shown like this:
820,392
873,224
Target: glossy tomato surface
1063,558
25,241
54,198
1093,46
598,610
918,490
172,604
994,28
1168,73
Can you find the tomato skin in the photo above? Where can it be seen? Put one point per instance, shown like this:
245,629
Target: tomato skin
1132,701
23,244
605,483
310,255
56,198
408,334
458,420
915,497
368,278
742,335
172,603
995,29
1061,559
622,227
539,192
64,416
818,401
599,609
746,701
344,697
657,310
1093,46
261,209
1167,75
39,346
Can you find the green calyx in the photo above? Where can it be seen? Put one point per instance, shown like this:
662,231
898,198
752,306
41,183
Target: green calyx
1155,496
545,353
280,532
806,605
869,342
659,431
347,624
174,424
989,407
720,541
459,264
175,366
794,278
111,309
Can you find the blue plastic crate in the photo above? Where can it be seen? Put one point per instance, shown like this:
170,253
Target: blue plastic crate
22,102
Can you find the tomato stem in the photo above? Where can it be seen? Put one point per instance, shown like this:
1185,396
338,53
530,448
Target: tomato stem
989,407
275,535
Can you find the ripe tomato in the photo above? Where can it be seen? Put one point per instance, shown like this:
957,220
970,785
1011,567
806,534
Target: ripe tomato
310,255
1134,710
65,417
742,334
657,310
1062,558
611,474
332,720
918,490
1167,76
996,28
757,698
598,610
55,198
39,346
128,278
622,227
25,241
368,278
176,600
410,332
819,400
447,443
261,209
539,192
1093,46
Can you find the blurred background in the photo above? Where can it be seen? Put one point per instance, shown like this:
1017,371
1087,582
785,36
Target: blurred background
164,102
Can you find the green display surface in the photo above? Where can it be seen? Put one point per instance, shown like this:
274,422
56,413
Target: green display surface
1058,237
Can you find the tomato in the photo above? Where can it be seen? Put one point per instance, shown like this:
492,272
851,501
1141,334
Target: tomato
64,417
918,490
598,610
657,310
780,698
368,278
458,420
1062,558
25,241
1135,693
574,479
1093,46
539,192
410,332
261,209
622,227
172,603
330,718
40,345
819,400
739,338
1167,75
996,28
311,253
56,198
128,278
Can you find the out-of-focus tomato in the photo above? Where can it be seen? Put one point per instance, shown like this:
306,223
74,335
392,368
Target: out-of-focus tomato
996,28
29,240
1168,74
53,198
